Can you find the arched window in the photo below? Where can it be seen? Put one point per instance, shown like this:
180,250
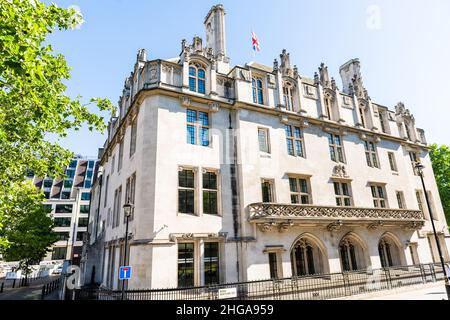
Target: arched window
352,254
288,96
197,77
257,89
306,258
328,108
389,252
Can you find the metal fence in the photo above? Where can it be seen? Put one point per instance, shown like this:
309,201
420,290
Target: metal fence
50,287
19,282
314,287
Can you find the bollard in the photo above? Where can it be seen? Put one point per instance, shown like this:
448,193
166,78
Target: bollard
1,287
14,283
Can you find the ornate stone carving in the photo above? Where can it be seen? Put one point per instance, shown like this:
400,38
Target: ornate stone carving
271,79
293,211
284,118
187,236
340,171
414,225
284,226
213,106
376,225
185,101
324,77
334,226
285,66
267,226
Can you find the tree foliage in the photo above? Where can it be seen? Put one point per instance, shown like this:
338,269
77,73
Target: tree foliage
440,158
33,103
28,228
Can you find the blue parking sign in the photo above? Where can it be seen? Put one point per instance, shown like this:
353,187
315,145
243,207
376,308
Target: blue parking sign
125,273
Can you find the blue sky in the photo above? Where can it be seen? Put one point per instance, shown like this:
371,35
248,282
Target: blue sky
403,46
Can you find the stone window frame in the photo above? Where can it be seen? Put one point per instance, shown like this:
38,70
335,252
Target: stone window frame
271,183
198,127
277,251
370,150
258,92
341,196
295,140
194,189
217,190
266,146
197,66
392,162
379,200
400,196
336,147
299,193
289,91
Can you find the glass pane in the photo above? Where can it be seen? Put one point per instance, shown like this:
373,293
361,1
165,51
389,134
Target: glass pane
294,199
337,190
305,199
201,86
303,186
192,71
191,116
190,134
262,136
299,147
210,202
330,138
204,136
203,118
338,202
192,85
210,180
293,184
211,263
345,189
290,147
380,192
288,130
332,153
298,133
201,74
337,140
186,178
347,202
340,154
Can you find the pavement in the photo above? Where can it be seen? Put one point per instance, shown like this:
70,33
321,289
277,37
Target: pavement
31,292
431,291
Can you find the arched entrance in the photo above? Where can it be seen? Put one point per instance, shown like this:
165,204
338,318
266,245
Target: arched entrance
352,252
389,251
308,256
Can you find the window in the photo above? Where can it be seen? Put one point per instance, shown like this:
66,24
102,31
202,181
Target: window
378,195
68,184
73,164
133,137
294,141
87,183
384,250
342,193
119,163
185,265
48,207
48,183
84,208
288,97
400,199
348,255
392,161
371,154
117,206
210,193
65,195
83,222
273,265
186,191
89,173
211,263
91,164
70,174
267,191
415,159
85,196
62,222
106,191
47,195
113,163
299,191
336,148
62,236
63,208
80,236
328,108
363,120
303,257
197,78
197,127
257,89
130,191
381,116
263,139
59,253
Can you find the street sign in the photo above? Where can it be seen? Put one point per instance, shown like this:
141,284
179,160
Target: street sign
227,293
125,273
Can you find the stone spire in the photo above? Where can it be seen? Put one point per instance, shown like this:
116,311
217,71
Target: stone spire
215,30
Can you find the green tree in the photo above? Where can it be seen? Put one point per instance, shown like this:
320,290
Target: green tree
29,227
33,103
440,158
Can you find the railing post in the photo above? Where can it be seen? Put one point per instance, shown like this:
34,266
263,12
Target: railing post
388,278
433,272
346,283
1,287
422,272
14,283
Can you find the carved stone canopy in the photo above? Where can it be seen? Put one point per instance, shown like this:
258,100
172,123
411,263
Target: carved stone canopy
285,66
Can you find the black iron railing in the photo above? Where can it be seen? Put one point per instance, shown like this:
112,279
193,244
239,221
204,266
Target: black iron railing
314,287
50,287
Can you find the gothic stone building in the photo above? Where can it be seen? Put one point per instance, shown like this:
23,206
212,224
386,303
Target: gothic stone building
251,172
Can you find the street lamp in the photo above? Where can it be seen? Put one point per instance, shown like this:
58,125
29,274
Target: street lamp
127,208
419,167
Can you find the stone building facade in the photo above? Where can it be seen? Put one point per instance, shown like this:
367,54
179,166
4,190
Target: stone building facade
252,172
